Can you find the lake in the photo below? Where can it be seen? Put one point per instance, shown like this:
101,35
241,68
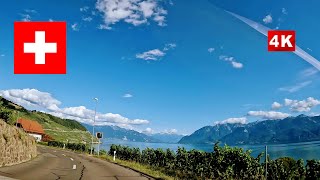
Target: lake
305,150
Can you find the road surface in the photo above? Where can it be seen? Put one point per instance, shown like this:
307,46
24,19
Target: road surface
55,164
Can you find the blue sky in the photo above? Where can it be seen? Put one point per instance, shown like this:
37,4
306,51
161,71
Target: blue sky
182,64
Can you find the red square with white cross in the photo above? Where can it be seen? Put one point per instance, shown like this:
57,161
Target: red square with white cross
281,40
40,48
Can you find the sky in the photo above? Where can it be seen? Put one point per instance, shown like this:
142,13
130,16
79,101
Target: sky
169,66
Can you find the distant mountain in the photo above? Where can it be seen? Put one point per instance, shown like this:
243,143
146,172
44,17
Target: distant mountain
209,134
115,132
167,138
289,130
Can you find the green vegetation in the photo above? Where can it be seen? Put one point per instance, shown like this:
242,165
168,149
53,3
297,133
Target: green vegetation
59,129
223,163
146,169
71,146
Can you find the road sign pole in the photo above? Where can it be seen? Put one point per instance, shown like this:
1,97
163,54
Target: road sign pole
94,120
99,148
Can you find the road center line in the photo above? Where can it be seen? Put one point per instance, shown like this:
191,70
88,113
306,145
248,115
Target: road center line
71,159
74,166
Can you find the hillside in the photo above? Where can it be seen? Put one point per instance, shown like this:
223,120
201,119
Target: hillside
289,130
57,128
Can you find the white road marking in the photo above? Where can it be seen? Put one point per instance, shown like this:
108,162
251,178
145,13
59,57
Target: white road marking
71,159
74,166
63,155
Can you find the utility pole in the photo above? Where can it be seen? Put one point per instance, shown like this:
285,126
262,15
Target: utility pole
94,120
266,162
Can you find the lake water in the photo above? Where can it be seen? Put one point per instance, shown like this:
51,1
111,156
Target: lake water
305,151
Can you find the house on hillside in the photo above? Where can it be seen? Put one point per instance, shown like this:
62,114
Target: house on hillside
33,128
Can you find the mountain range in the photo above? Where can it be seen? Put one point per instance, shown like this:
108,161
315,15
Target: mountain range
115,132
289,130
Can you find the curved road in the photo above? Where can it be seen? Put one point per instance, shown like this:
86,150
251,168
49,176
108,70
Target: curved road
60,164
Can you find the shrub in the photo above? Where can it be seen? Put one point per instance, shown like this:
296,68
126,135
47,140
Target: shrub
223,163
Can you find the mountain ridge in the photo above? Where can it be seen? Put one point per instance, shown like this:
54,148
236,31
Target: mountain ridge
116,132
301,128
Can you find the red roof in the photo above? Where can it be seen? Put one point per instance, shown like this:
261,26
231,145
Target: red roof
31,126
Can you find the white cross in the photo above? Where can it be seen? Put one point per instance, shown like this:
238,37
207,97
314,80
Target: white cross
40,47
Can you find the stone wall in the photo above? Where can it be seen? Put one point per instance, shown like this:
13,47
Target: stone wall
15,145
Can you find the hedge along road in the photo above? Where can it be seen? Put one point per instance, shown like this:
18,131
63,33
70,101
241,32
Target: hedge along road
54,163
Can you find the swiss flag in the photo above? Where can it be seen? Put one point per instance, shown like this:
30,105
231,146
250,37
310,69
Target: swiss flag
40,47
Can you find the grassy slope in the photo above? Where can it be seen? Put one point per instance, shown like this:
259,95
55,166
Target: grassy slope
59,129
138,167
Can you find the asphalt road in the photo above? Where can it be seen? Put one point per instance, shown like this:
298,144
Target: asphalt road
60,164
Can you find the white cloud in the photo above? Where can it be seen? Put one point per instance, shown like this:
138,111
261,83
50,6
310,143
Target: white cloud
242,120
314,114
32,11
267,19
148,131
295,88
2,55
232,61
301,106
237,65
210,50
51,20
127,96
84,9
75,27
135,12
154,55
308,72
276,105
25,17
271,115
284,11
37,99
169,46
31,97
102,26
87,19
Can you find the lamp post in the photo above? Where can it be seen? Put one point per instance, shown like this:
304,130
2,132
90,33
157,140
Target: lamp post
94,120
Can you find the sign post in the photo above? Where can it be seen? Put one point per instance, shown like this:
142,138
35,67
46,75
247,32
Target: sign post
99,136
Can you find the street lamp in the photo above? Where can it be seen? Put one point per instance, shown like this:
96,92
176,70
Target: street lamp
94,120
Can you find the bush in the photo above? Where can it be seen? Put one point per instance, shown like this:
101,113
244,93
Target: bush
223,163
313,169
72,146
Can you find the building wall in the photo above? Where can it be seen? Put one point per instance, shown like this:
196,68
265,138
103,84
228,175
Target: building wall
38,137
15,145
